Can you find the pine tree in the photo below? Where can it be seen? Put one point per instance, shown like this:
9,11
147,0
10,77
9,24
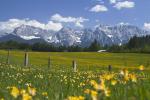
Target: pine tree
95,46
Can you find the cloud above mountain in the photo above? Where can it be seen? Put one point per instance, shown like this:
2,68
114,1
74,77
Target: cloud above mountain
55,23
11,24
99,8
112,1
124,4
147,26
77,21
118,4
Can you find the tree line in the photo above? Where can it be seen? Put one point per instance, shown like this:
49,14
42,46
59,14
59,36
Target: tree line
46,47
135,45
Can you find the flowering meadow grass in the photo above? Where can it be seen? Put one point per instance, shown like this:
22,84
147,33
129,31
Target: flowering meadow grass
91,82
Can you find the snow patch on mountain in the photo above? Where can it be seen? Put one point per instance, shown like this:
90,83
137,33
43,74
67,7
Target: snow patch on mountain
29,37
104,34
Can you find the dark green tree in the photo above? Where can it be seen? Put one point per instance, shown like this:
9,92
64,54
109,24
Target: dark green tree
95,46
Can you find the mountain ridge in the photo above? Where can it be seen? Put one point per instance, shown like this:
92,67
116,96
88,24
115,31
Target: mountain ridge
104,34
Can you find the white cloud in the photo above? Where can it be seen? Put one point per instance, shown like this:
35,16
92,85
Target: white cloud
99,8
11,24
54,26
78,24
123,23
147,26
97,20
112,1
124,4
8,26
77,21
96,26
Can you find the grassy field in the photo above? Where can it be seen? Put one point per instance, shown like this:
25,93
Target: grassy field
128,80
84,59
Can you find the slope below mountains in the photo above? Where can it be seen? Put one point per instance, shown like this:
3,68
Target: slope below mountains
105,35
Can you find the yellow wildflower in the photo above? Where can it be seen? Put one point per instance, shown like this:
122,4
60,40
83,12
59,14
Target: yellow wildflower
82,84
113,82
141,67
126,78
76,98
108,77
87,91
26,96
107,92
22,91
45,94
94,93
93,82
32,91
102,85
124,72
133,77
1,98
81,98
15,92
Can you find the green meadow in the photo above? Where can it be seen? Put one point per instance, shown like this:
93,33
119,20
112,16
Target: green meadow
83,59
128,80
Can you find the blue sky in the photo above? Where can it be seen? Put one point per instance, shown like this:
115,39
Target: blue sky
78,13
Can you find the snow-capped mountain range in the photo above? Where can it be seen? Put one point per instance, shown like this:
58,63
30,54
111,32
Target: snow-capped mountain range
104,34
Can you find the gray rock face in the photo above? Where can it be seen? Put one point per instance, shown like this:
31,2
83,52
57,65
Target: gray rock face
104,34
89,36
30,32
66,36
